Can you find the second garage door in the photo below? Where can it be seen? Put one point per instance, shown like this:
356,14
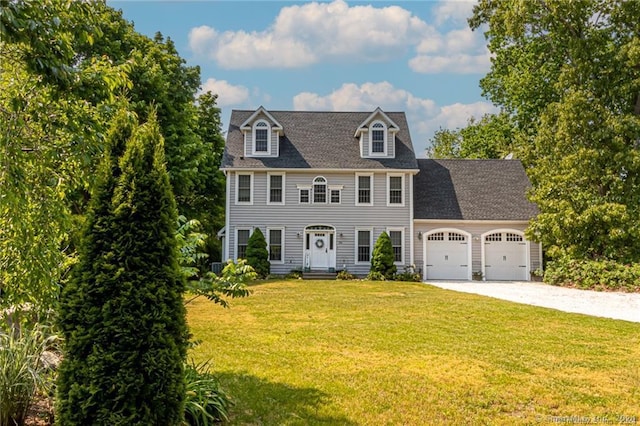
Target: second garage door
447,256
505,256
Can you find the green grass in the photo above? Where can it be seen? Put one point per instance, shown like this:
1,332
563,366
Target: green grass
338,352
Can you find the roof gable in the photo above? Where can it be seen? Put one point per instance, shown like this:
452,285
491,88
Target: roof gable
261,111
377,114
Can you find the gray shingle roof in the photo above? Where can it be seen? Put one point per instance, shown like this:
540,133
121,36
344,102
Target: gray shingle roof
472,190
318,140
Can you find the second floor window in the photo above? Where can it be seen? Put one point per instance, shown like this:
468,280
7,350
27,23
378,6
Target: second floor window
364,190
275,188
244,188
319,190
395,189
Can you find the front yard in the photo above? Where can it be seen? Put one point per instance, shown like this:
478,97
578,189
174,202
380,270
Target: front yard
342,352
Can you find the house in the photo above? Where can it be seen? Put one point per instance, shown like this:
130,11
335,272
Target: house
322,186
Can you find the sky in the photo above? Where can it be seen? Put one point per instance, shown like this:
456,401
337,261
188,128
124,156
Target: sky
419,57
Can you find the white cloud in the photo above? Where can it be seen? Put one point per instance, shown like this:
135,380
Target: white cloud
302,35
228,94
453,11
423,115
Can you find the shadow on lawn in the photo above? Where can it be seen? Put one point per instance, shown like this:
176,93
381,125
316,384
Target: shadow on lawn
258,401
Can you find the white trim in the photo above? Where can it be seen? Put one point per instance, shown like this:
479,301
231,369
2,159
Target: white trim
355,258
244,203
330,197
278,203
319,170
255,152
389,176
470,222
282,240
402,242
457,230
370,175
304,188
227,219
386,118
245,126
411,224
511,230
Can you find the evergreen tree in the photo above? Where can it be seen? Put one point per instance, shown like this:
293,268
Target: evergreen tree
383,258
122,314
257,254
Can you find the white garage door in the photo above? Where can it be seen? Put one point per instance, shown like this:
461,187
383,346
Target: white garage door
447,256
505,256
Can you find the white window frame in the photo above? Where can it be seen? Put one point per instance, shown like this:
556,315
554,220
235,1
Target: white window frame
282,202
389,176
385,131
281,229
237,230
357,232
313,190
370,175
254,151
304,188
402,243
246,203
332,188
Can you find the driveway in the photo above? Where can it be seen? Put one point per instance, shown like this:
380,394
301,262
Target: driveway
622,306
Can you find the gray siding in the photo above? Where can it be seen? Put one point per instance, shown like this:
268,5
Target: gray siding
294,217
476,229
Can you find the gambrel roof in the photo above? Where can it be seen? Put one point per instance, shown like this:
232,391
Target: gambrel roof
318,140
472,190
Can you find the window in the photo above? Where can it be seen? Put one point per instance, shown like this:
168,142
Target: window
494,237
275,245
378,138
454,236
276,189
242,239
319,190
513,237
364,189
244,184
304,195
261,137
364,246
395,185
396,243
335,196
436,236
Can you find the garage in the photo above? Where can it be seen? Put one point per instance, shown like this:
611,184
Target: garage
447,256
505,255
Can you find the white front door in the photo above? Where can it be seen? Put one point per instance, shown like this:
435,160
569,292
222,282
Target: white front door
320,256
505,256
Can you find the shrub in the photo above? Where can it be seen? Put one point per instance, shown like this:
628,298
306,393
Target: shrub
206,402
122,313
594,274
409,274
294,274
257,254
23,371
383,258
345,275
376,276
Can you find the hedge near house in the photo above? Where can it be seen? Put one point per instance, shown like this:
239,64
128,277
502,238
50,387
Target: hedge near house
383,258
122,313
257,253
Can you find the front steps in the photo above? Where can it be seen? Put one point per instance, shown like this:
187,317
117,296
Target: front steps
319,275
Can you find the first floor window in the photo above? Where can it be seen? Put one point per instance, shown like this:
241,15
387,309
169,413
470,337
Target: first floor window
243,241
275,245
396,244
244,188
364,246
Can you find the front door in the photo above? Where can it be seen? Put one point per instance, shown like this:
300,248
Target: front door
320,255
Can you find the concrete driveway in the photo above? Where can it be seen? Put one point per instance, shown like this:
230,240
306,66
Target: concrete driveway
622,306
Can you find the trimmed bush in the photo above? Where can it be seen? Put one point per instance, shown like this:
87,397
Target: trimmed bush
122,313
383,258
345,275
257,254
594,274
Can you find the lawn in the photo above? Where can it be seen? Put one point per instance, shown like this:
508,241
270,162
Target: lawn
358,352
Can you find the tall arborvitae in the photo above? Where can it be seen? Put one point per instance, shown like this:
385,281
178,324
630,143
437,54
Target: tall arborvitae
257,254
122,313
382,258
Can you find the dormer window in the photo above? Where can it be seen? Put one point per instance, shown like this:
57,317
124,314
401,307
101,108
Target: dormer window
261,137
378,139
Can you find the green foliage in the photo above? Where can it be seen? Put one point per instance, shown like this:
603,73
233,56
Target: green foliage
206,402
345,275
294,274
594,275
122,314
257,253
376,276
23,371
382,260
568,75
490,137
409,274
231,283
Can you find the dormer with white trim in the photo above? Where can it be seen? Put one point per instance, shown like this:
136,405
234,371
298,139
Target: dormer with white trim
377,136
261,134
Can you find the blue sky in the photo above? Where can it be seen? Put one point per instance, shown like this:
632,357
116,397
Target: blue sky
414,56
